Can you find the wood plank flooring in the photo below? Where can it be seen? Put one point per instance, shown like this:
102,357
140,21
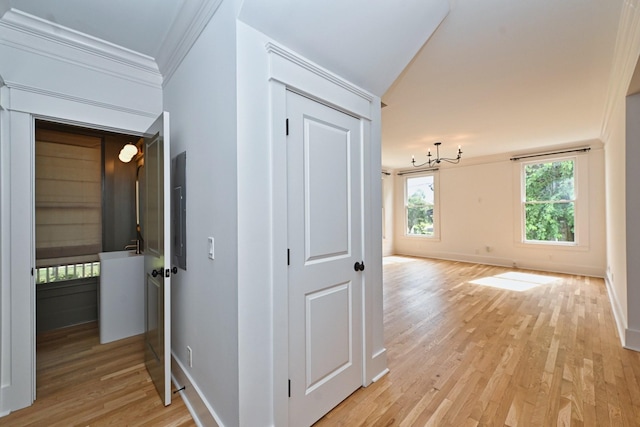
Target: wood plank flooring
460,354
465,354
82,383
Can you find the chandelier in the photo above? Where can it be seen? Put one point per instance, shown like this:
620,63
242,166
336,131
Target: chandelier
431,162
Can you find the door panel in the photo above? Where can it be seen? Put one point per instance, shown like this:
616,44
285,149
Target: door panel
328,332
324,150
327,195
157,256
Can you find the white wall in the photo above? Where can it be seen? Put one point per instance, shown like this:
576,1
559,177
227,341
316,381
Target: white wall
615,168
478,223
632,197
256,235
201,98
388,183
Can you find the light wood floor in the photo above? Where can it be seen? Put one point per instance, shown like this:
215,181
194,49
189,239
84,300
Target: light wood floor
82,383
460,354
464,354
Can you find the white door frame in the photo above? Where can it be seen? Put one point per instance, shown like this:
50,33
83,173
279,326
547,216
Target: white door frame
22,107
290,72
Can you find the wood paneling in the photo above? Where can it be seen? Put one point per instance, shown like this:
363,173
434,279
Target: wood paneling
463,354
66,303
83,383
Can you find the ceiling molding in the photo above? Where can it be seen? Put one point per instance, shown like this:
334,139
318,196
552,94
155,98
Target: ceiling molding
625,58
30,33
315,69
20,88
192,18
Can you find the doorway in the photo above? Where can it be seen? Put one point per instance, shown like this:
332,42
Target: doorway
84,204
324,152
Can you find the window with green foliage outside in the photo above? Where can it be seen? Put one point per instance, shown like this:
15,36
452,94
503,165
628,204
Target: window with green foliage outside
549,206
420,196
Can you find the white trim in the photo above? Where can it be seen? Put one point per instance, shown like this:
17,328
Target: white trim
199,408
316,69
524,263
18,358
63,108
192,18
580,201
625,57
380,375
435,237
288,71
75,99
32,34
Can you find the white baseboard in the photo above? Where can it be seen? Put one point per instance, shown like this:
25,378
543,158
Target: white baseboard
526,264
202,413
377,366
618,313
380,375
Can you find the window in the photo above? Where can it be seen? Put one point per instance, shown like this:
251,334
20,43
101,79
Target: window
62,273
68,202
549,201
420,206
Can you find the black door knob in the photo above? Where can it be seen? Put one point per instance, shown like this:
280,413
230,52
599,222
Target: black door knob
155,273
359,266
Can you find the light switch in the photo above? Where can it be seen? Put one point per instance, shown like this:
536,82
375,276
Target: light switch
210,239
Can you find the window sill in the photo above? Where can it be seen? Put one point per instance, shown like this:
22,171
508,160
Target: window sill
421,237
562,246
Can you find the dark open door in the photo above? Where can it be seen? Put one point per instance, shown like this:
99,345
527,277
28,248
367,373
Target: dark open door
157,255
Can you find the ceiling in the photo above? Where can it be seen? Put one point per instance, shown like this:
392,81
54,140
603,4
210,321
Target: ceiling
138,25
504,76
497,76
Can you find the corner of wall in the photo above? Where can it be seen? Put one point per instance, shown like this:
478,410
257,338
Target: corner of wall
202,413
618,312
632,339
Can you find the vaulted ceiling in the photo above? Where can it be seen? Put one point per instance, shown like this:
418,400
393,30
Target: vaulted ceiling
496,76
504,76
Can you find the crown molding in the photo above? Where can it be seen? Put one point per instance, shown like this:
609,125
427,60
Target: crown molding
316,69
14,86
625,58
192,18
30,33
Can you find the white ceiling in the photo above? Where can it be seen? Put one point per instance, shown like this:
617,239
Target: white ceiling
504,76
497,76
367,42
138,25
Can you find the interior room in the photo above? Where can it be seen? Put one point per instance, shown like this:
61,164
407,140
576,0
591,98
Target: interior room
342,213
85,204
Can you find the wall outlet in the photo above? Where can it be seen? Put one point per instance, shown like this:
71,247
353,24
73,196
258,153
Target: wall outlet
190,356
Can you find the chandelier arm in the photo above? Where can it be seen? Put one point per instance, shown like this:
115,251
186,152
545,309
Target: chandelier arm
428,162
453,161
434,162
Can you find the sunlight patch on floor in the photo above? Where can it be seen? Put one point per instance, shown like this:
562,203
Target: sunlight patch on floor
515,281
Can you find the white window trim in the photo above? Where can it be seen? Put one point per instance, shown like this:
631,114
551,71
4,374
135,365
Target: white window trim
436,206
581,204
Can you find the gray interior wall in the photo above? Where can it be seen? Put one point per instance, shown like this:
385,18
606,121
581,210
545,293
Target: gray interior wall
66,303
72,302
118,189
